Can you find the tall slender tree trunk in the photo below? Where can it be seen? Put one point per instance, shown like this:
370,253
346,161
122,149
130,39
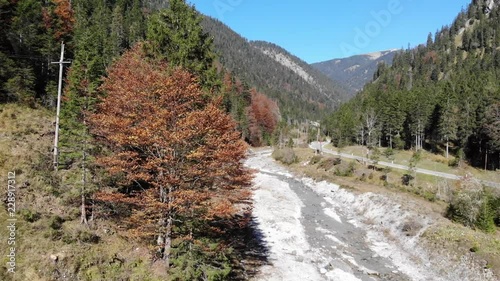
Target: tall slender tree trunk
83,218
362,137
168,230
447,148
390,138
167,242
485,159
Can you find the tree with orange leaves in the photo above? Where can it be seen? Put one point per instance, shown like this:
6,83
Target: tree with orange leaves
58,16
174,145
263,115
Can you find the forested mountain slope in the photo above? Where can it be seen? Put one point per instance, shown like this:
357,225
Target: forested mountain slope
301,91
444,93
143,89
356,71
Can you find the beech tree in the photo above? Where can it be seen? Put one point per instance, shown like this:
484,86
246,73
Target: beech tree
263,115
177,148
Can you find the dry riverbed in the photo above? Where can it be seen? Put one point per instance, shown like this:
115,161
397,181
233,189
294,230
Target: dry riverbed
316,230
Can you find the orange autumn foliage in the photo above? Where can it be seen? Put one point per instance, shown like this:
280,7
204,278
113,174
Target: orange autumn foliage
59,16
176,146
263,115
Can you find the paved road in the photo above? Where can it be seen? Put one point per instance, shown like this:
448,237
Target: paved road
316,145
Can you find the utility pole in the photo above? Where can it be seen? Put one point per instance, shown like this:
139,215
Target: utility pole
61,63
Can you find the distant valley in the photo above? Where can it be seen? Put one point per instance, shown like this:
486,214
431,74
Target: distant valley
352,73
300,90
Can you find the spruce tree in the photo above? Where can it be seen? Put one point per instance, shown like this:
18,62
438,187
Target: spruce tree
176,35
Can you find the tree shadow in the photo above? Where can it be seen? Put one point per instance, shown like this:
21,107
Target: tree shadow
250,248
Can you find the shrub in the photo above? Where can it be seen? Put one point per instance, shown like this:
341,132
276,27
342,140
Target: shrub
328,163
68,238
398,143
55,222
87,237
389,153
345,171
29,215
286,156
486,218
375,156
406,179
315,159
474,208
453,162
53,234
429,195
457,161
201,260
495,206
464,207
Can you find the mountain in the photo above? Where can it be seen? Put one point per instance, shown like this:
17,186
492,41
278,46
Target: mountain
300,90
355,71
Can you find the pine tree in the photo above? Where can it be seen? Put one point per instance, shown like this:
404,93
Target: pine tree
176,35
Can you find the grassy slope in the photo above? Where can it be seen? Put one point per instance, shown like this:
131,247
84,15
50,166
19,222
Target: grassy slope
444,237
95,252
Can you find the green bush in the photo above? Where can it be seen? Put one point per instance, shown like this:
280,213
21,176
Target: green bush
345,171
486,218
474,208
429,195
286,155
389,153
328,163
398,143
29,215
453,162
68,238
200,260
315,159
87,237
495,207
406,179
55,222
53,234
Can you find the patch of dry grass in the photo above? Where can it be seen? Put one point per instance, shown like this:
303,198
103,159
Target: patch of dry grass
82,252
459,239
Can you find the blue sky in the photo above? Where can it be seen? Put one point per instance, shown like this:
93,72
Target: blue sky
318,30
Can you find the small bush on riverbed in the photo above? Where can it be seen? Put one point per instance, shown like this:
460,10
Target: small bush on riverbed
315,159
329,163
286,156
345,170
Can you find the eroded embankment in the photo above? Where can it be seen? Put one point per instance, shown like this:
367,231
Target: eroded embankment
318,231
